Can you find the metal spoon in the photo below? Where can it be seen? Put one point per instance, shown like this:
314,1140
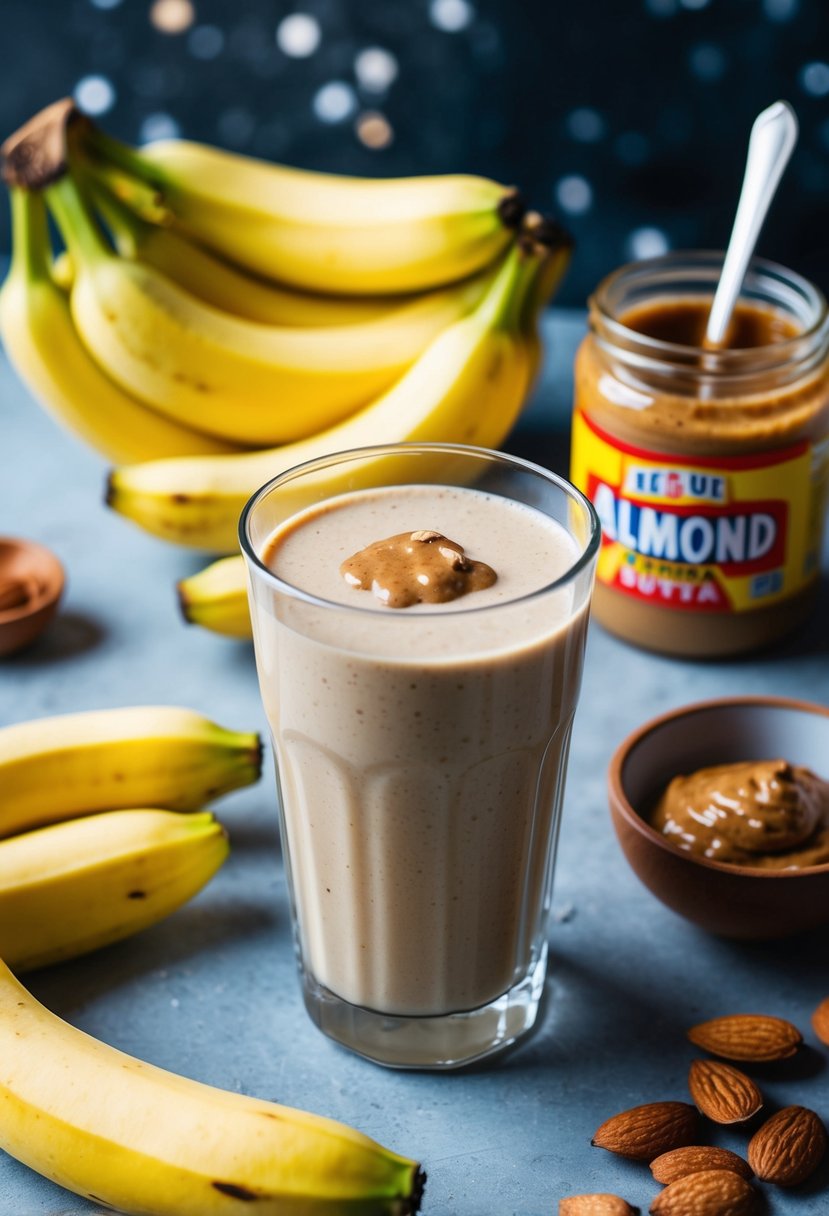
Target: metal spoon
770,145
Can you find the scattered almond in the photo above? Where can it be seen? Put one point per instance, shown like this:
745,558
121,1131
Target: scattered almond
707,1193
747,1036
595,1205
820,1021
788,1147
643,1132
722,1092
680,1162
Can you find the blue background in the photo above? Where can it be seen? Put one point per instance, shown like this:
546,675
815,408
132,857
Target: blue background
626,118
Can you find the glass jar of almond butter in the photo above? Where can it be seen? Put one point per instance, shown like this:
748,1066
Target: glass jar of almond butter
708,469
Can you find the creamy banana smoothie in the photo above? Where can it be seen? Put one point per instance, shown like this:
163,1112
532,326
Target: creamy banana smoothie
420,677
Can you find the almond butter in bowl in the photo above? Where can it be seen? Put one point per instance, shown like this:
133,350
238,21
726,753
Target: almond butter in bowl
760,893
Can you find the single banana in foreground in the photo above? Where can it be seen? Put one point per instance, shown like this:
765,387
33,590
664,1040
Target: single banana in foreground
76,886
318,231
217,598
40,340
159,756
148,1142
467,387
218,373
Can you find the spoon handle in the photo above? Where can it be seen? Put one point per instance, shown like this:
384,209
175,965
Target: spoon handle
772,142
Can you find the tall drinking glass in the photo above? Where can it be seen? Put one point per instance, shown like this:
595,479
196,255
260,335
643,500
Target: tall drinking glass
421,750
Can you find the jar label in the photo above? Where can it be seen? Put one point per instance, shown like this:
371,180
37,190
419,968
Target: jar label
705,534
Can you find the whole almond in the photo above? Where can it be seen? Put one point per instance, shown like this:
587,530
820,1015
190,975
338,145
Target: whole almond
722,1092
680,1162
747,1036
788,1147
643,1132
707,1193
595,1205
820,1021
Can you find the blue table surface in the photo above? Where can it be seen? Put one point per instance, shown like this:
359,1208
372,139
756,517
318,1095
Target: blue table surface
212,992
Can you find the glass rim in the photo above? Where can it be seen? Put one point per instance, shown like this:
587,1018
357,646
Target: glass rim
726,361
581,563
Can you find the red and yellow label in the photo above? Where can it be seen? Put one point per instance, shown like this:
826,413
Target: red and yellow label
703,534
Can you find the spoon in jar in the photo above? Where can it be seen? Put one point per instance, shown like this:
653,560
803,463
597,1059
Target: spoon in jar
770,145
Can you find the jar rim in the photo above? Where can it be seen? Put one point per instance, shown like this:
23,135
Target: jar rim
776,284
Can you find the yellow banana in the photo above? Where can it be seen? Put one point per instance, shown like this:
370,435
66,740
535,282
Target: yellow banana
217,598
149,1142
74,887
45,350
467,387
162,756
217,282
233,378
319,231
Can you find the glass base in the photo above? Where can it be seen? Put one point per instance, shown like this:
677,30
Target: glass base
448,1041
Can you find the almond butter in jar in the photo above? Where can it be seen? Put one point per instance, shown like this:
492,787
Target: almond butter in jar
708,469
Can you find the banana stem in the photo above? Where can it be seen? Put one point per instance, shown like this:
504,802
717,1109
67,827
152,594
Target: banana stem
119,156
128,230
502,305
77,224
31,247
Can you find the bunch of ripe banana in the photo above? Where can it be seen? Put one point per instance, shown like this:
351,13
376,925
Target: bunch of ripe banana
80,869
91,846
216,320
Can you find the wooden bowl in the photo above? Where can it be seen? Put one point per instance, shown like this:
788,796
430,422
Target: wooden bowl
730,900
31,584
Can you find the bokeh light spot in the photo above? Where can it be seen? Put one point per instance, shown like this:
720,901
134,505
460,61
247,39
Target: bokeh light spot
451,15
574,194
374,130
172,16
707,62
205,42
646,243
584,125
780,10
158,126
814,79
661,8
298,35
334,102
376,69
95,94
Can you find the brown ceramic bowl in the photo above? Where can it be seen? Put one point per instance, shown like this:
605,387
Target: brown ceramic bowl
733,901
31,584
